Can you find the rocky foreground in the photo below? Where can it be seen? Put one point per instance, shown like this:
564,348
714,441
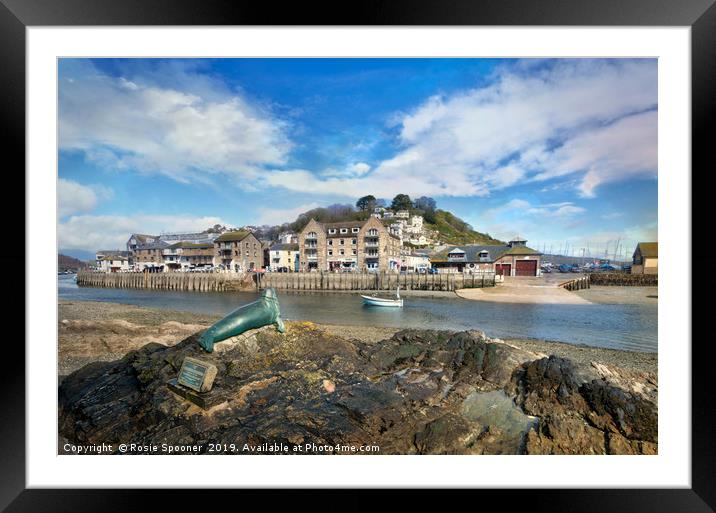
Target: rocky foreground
418,392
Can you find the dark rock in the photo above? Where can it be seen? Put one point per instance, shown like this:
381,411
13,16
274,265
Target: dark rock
406,394
619,411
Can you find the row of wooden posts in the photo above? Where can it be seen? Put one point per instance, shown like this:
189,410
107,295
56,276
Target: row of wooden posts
583,282
286,281
203,282
376,281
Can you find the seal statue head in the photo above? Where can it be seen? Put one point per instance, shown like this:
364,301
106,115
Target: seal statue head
269,293
253,315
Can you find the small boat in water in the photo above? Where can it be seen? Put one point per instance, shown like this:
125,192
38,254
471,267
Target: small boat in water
383,301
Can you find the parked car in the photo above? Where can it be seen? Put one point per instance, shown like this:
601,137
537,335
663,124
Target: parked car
432,270
564,268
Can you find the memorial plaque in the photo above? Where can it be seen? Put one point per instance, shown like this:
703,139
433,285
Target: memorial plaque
196,374
203,400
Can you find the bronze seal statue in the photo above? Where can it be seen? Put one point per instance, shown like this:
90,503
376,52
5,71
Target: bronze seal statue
260,313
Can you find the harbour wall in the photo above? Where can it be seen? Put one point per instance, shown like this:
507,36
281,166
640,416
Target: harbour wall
213,282
200,282
623,279
376,281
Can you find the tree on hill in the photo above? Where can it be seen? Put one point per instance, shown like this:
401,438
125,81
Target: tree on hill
366,203
330,214
401,202
427,207
425,204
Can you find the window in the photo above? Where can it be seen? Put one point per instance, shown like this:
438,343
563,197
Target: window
355,230
311,235
354,251
344,230
331,231
373,232
354,241
330,242
330,252
343,242
343,252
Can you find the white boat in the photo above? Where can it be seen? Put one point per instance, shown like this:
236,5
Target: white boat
382,301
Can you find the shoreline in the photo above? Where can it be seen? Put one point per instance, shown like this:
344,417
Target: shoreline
103,331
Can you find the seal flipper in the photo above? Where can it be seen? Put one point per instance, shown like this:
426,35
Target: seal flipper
279,325
206,342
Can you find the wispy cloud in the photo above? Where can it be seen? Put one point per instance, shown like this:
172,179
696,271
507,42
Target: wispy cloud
187,132
112,232
592,119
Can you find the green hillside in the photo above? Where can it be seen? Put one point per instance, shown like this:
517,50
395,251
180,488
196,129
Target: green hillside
453,230
450,228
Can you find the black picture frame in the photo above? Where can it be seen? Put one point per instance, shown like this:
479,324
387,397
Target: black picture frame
700,15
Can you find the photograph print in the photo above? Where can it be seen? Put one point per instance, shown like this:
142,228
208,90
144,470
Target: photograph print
356,256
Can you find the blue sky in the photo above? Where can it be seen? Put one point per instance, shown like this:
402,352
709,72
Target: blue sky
561,151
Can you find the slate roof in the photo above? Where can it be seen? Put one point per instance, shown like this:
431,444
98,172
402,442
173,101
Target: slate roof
648,249
109,258
284,247
142,237
192,245
153,245
234,236
472,253
345,224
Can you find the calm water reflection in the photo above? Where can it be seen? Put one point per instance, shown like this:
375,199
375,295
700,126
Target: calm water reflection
632,327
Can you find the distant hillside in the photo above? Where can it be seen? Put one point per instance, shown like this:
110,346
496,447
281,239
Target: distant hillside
453,230
79,254
65,263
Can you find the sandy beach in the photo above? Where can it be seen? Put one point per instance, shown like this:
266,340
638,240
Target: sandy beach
547,290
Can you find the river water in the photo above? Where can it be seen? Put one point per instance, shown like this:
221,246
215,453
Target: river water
618,326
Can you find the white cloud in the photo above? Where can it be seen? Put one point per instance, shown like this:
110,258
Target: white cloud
612,153
561,226
273,216
572,116
353,171
91,233
519,208
73,197
185,134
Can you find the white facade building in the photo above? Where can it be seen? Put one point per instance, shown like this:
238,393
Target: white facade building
113,263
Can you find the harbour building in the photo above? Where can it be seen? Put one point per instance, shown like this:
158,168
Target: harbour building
511,259
348,246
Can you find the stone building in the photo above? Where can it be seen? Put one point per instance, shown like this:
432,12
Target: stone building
646,258
238,251
149,256
348,245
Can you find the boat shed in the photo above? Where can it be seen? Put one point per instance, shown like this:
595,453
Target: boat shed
511,259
